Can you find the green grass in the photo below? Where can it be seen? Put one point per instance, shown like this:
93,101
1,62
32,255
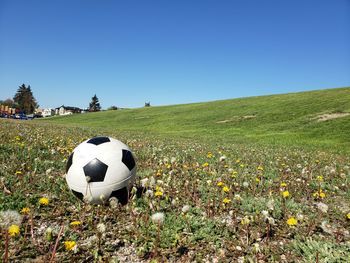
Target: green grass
287,119
230,175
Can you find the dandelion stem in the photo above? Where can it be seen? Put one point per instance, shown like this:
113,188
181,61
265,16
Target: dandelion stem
56,244
6,247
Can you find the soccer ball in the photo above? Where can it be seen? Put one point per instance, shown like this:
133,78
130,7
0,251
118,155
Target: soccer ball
101,168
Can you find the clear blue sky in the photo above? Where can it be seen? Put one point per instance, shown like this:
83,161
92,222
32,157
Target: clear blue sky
171,52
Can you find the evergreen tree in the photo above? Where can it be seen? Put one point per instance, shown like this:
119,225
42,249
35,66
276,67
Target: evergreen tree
25,99
94,104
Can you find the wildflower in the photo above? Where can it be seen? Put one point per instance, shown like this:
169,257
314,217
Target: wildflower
75,223
245,184
285,194
322,207
245,221
13,230
220,183
158,218
222,158
70,245
257,179
320,178
158,193
226,189
319,194
238,160
260,168
185,208
348,216
283,184
292,221
210,155
205,165
9,217
101,228
226,200
159,173
44,201
25,210
19,172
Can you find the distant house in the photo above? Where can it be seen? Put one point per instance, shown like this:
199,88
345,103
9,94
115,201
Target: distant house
67,110
48,112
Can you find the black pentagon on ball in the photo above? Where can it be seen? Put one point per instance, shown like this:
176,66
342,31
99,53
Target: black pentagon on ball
78,194
128,159
96,170
122,195
98,140
69,162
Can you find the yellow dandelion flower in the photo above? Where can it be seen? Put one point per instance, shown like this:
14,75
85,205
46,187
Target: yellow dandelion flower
220,184
292,221
226,189
238,160
210,155
75,223
19,172
260,168
257,179
226,166
283,184
158,193
168,166
285,194
348,216
69,245
319,194
25,210
159,173
245,221
13,230
44,201
205,164
226,200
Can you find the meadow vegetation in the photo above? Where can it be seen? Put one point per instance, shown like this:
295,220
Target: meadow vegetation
210,192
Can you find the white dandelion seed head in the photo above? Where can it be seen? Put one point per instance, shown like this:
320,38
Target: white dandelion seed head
144,182
265,213
158,218
322,207
149,193
10,217
245,184
113,202
185,208
101,228
222,158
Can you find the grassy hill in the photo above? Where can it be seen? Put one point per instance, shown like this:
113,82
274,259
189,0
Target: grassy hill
316,118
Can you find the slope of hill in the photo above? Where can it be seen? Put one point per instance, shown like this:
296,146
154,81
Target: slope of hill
315,118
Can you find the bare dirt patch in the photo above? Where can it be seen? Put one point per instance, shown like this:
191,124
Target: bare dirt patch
246,117
331,116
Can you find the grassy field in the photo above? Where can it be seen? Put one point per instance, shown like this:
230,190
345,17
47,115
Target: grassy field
289,119
231,187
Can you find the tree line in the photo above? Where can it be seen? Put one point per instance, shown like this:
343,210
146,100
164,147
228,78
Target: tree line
25,101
